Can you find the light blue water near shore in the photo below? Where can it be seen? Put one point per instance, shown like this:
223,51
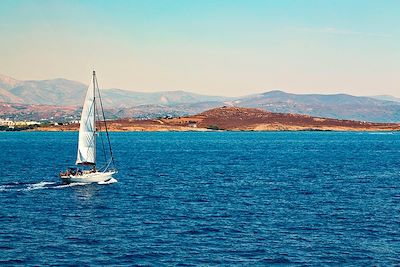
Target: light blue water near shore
216,198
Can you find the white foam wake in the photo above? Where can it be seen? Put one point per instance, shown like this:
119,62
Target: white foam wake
70,185
46,185
37,186
111,181
5,187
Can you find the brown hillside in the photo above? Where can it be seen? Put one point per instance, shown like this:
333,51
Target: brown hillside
238,119
234,118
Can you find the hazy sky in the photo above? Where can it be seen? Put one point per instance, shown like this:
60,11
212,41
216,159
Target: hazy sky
212,47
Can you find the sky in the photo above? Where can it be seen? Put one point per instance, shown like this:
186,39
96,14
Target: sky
214,47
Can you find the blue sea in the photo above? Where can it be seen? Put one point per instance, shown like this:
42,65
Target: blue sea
213,198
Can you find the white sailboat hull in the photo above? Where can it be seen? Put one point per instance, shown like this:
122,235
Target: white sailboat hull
93,177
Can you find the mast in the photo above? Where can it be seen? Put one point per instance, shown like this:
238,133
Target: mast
94,112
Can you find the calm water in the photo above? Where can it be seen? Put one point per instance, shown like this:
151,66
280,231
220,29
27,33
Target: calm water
306,198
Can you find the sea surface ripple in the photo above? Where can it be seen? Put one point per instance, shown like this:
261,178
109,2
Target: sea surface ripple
215,198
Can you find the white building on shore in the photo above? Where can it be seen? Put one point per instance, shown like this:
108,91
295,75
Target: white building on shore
8,122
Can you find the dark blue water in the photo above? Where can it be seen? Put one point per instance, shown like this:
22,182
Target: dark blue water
302,198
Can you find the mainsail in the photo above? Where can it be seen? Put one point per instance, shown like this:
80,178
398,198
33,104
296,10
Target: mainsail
87,130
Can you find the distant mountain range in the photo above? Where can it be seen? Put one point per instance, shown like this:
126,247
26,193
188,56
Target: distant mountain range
58,93
386,97
66,93
338,106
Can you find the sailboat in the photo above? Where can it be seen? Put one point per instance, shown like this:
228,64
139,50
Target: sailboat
87,169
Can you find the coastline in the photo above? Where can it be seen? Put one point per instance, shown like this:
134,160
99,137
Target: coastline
263,128
230,119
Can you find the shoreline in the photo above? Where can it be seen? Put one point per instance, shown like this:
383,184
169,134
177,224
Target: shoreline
288,129
228,119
